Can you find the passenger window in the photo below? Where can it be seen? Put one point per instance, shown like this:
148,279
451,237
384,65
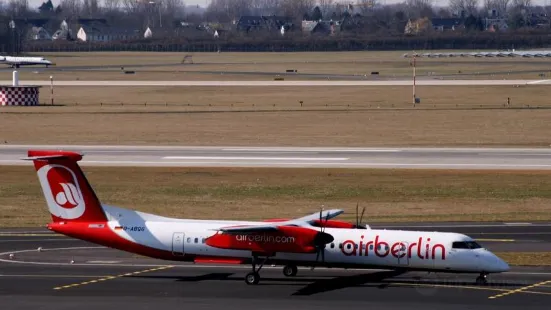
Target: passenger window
203,240
349,246
371,247
188,240
332,245
196,240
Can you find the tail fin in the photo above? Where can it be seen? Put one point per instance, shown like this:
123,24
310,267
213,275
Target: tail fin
67,192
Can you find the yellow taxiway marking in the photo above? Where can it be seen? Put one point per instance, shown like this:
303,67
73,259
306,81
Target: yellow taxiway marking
467,287
496,240
520,290
48,276
111,277
450,286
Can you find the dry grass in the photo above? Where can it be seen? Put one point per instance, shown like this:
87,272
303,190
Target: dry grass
329,116
388,64
526,258
246,193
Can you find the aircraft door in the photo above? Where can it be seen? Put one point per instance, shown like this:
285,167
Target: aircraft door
178,244
403,259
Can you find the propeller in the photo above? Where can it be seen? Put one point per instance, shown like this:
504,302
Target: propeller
359,220
322,239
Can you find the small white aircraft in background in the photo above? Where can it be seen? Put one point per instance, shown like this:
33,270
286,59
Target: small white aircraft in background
16,62
310,241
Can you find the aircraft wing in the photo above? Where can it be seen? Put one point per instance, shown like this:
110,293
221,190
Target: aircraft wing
249,229
325,215
299,222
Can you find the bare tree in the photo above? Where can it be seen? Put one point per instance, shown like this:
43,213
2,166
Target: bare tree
71,8
89,7
266,7
111,5
326,7
297,8
419,8
521,4
18,7
500,6
172,9
228,10
466,7
365,6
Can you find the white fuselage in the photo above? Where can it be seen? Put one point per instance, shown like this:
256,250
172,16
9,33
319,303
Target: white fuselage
417,250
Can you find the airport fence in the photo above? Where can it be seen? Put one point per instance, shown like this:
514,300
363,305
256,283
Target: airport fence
156,106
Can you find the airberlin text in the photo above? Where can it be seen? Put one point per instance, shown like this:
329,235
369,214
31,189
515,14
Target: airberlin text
265,238
423,249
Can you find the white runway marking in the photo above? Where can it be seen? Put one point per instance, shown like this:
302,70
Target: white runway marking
253,158
285,83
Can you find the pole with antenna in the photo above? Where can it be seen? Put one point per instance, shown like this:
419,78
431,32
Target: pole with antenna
414,77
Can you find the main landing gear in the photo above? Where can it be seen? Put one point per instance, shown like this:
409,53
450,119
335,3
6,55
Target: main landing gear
290,270
254,277
482,279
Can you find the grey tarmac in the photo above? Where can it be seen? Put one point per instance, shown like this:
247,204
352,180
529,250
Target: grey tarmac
296,157
112,279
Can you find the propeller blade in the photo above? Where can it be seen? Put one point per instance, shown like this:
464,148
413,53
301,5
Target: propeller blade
317,258
361,217
357,220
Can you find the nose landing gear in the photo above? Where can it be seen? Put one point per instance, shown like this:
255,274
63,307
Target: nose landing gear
482,279
254,276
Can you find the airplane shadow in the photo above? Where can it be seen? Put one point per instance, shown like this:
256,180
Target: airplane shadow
322,284
337,283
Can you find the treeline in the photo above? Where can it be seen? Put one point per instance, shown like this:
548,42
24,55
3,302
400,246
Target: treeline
519,40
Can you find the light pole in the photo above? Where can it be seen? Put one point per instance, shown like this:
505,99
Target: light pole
12,27
158,3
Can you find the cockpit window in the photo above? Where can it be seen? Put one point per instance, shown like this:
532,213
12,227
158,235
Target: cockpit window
466,245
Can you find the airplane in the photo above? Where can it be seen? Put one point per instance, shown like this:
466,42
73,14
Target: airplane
16,62
315,240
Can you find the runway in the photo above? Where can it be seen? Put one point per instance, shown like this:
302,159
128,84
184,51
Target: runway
76,274
296,157
419,82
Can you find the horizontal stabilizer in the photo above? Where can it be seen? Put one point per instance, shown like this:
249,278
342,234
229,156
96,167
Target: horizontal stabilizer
52,155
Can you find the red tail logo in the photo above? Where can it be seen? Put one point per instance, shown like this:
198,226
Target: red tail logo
62,191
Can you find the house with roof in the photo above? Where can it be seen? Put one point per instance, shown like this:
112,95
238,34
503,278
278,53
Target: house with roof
447,24
63,33
158,32
418,26
322,27
33,29
97,30
263,23
39,34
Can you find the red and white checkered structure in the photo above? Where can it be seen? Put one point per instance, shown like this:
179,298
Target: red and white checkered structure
19,95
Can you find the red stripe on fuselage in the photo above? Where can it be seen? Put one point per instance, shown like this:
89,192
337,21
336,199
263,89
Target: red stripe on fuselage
106,237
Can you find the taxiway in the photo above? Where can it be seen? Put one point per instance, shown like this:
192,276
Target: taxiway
69,273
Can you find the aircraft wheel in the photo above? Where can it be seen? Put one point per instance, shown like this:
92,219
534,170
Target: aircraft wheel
252,278
481,280
290,270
